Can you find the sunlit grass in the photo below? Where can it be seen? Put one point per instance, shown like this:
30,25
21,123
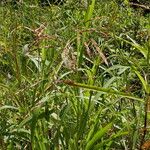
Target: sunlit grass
73,77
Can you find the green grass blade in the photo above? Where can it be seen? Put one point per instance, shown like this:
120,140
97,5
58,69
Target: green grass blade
98,136
144,83
104,90
8,107
89,13
87,18
141,49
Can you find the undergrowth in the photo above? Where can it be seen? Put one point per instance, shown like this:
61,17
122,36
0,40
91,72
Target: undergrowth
74,76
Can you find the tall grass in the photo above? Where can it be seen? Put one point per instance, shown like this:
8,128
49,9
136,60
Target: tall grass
73,77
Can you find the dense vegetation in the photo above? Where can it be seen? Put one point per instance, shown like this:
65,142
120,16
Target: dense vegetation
75,76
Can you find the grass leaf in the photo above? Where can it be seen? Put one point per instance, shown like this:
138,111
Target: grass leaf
98,136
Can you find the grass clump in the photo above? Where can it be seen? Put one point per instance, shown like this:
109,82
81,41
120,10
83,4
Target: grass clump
74,76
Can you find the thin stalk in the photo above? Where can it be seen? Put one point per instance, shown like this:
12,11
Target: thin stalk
87,18
104,90
147,102
147,111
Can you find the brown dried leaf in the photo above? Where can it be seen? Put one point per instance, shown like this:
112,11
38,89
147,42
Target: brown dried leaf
146,145
68,57
99,51
87,49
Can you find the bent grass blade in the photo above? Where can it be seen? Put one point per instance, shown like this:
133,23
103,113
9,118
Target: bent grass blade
104,90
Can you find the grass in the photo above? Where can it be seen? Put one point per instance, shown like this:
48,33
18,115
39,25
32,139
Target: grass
74,77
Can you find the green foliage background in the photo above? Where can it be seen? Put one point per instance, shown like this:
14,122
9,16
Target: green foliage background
74,76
